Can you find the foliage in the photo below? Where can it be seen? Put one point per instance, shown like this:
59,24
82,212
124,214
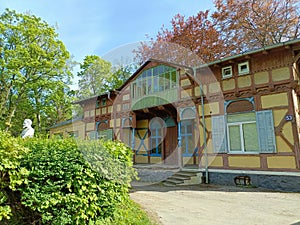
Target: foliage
93,77
12,174
34,72
189,42
128,213
236,26
254,24
51,181
65,189
98,76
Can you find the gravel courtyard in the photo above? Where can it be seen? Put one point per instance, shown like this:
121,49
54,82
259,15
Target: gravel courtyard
214,205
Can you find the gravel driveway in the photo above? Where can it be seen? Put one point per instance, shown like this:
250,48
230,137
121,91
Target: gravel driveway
213,205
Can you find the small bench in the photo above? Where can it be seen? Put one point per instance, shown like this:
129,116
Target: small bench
242,180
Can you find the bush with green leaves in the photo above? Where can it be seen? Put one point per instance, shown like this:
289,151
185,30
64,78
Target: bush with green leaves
12,174
67,187
62,181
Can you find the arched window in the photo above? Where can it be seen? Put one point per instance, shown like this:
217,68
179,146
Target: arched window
187,131
157,126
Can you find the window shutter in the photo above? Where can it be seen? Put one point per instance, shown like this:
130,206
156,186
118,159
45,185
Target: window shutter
219,134
265,130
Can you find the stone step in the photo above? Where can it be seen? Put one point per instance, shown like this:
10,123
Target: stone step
184,178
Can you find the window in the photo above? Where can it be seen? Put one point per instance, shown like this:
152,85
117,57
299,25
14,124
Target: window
242,133
187,137
156,138
157,79
243,68
103,102
105,134
250,132
227,72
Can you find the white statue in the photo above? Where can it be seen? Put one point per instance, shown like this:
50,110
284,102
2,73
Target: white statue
28,130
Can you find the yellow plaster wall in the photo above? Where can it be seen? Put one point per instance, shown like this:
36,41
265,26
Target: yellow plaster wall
288,132
244,81
86,114
142,124
275,100
186,93
118,108
261,78
188,160
92,113
213,161
228,84
244,161
197,91
209,146
281,74
103,110
278,115
126,97
282,146
109,109
214,87
155,160
141,159
90,126
212,108
98,112
185,82
282,162
118,122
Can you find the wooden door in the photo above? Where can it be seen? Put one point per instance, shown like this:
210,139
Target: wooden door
170,145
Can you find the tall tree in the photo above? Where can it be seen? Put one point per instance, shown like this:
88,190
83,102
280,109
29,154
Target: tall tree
32,61
94,76
236,26
250,24
189,42
120,74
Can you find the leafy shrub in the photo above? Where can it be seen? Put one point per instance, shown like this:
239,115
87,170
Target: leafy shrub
46,181
73,183
12,174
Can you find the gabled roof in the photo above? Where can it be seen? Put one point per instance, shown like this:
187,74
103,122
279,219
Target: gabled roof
251,52
267,48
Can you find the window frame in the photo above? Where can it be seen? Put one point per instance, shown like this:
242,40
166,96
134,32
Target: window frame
224,76
240,72
242,138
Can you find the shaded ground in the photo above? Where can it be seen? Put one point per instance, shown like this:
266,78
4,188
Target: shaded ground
211,204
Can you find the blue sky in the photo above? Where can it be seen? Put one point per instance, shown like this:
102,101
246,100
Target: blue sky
108,28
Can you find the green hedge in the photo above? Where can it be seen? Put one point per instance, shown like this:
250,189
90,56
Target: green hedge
63,181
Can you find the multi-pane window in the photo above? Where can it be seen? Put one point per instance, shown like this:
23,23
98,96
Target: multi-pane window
242,133
156,79
156,138
187,137
251,132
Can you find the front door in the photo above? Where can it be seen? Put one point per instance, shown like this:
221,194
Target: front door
170,145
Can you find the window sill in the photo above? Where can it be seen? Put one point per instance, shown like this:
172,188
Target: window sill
243,153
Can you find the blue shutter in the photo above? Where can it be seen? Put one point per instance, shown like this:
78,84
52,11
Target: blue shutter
265,130
219,134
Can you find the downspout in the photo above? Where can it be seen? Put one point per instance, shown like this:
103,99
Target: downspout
204,127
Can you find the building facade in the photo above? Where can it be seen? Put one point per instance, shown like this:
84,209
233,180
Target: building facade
231,117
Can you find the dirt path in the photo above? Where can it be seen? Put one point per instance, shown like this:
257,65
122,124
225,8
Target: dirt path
214,205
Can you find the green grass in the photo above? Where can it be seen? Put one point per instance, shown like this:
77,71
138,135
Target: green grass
130,213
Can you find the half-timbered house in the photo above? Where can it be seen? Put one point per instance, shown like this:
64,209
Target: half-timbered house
231,117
